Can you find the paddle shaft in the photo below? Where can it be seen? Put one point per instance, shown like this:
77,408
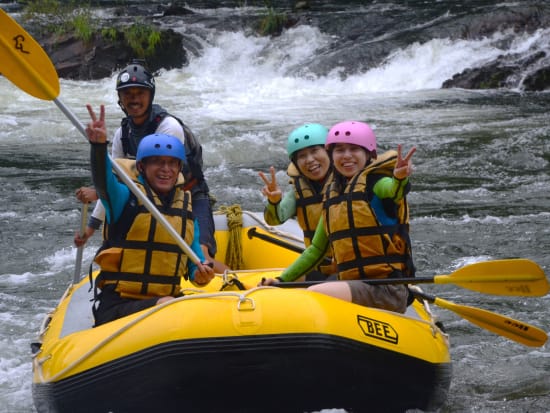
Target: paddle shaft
373,281
291,247
134,188
80,250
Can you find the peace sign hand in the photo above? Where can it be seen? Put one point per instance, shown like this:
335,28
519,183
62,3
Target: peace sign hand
96,130
403,167
271,190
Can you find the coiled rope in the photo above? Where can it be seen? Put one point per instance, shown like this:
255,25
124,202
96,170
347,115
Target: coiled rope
234,252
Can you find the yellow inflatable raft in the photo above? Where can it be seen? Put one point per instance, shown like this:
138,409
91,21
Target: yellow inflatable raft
233,346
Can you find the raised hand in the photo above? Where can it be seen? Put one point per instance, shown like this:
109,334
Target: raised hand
271,190
96,130
403,167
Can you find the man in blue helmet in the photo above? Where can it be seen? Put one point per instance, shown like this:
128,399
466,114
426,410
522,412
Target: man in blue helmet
141,264
135,87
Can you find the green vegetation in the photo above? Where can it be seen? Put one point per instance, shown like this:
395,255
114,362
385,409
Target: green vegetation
109,33
60,18
273,22
76,18
83,27
142,38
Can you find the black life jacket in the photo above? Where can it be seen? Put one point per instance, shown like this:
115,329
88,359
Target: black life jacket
192,169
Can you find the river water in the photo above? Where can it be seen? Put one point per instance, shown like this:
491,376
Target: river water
481,185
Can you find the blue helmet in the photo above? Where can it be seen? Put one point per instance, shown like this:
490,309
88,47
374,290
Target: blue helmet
159,144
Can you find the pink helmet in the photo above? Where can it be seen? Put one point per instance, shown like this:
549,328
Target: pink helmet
356,133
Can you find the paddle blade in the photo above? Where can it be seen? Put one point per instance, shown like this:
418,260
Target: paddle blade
24,62
514,277
517,331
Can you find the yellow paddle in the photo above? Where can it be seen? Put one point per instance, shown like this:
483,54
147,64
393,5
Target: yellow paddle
515,330
519,277
514,277
28,66
24,62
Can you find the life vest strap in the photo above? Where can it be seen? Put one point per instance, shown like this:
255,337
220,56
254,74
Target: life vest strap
362,232
146,245
141,278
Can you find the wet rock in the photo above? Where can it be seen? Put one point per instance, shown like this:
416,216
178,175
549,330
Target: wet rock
98,58
488,77
538,81
176,10
506,71
507,17
302,5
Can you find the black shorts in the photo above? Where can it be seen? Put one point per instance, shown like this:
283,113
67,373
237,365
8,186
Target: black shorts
112,306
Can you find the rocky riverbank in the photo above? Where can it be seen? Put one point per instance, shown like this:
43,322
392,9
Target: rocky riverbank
100,56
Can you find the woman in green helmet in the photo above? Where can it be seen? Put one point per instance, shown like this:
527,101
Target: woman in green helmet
310,170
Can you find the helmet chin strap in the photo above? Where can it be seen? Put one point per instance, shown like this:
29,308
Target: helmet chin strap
120,104
122,107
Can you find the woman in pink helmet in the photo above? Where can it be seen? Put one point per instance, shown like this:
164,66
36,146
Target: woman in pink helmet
365,220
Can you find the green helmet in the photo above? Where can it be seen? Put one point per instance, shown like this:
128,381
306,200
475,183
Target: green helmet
310,134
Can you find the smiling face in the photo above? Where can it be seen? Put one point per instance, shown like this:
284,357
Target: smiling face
135,100
313,162
161,172
349,159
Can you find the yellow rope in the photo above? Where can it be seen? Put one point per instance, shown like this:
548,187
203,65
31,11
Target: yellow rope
234,252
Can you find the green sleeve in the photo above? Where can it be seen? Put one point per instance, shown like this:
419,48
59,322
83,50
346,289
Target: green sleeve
277,214
311,257
390,188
